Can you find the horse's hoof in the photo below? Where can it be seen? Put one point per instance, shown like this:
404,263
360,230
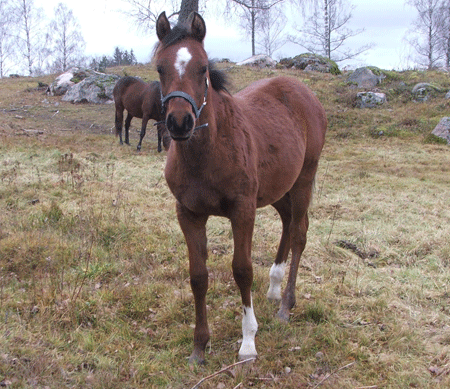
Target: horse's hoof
197,358
273,298
247,358
283,315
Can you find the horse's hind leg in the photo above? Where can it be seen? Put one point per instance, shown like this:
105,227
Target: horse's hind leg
277,270
127,128
300,195
118,122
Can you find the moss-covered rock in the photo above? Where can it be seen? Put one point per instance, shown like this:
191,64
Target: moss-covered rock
310,62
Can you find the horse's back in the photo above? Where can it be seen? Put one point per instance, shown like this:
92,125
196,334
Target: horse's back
129,94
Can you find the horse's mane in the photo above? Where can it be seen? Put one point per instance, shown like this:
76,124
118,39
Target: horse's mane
219,80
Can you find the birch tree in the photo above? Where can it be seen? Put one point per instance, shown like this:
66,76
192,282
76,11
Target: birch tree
326,31
68,43
7,38
426,39
271,36
250,13
30,34
445,32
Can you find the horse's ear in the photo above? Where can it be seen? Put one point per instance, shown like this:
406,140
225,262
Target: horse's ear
162,26
198,26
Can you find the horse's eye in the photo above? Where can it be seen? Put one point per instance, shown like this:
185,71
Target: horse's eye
160,70
203,69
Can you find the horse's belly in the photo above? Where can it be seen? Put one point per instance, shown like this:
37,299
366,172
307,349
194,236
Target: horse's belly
278,174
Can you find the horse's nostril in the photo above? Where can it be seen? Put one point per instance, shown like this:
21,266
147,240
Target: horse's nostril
180,127
188,122
170,121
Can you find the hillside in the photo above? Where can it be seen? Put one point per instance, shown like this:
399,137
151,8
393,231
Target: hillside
94,284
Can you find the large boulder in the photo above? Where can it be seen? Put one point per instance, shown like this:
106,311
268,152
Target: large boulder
365,78
370,99
61,84
66,80
259,61
310,62
442,130
424,90
96,88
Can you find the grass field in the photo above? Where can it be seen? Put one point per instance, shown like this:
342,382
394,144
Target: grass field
94,283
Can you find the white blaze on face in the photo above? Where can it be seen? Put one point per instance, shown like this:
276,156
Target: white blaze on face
182,60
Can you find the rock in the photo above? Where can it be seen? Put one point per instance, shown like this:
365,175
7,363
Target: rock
442,130
423,91
259,61
365,78
97,89
61,84
447,96
370,99
66,80
310,62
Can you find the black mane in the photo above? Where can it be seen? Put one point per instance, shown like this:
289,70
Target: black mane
219,80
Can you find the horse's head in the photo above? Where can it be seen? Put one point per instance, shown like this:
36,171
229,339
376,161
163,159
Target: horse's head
182,65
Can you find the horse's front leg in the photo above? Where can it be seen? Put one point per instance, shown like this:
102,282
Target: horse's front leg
242,226
194,230
143,130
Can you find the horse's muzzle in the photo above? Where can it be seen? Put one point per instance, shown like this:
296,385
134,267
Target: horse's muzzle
180,127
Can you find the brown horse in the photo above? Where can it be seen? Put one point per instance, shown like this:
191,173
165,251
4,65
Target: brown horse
230,155
143,101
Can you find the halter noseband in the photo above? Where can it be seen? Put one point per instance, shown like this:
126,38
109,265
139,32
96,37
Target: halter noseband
189,99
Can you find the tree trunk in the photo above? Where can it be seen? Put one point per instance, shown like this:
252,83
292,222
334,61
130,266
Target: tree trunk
326,13
187,6
253,14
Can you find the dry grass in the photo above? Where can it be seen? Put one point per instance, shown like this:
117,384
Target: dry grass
94,286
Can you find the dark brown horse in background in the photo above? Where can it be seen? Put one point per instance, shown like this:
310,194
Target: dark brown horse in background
143,101
230,155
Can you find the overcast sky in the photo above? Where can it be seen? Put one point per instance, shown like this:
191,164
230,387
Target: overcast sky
386,23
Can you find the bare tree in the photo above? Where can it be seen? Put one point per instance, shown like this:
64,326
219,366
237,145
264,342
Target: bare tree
7,37
144,13
426,39
186,7
251,11
271,27
68,43
445,31
30,31
326,32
